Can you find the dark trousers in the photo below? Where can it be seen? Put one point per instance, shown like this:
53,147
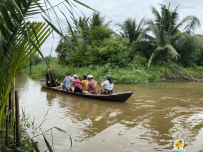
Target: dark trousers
78,89
53,84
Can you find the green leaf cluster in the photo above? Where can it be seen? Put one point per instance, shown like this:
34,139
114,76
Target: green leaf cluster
160,40
19,43
111,51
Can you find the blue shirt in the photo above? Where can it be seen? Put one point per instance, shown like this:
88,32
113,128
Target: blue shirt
68,81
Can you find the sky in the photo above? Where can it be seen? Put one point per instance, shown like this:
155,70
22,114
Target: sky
117,11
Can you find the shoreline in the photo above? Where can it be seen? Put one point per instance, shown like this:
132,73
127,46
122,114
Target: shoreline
168,79
127,75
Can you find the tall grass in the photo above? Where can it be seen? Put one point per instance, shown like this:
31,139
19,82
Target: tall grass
129,75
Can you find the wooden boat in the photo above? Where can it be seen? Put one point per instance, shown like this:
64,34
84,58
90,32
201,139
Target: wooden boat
120,97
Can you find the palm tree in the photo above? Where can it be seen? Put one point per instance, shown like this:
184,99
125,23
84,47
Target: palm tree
131,30
96,20
82,26
19,41
166,32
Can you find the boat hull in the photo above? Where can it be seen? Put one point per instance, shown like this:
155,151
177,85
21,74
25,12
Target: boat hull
119,97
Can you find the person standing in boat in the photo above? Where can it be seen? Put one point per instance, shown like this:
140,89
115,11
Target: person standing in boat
68,79
51,79
92,85
108,84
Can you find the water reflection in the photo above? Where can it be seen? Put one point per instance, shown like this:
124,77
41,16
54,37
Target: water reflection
50,96
152,119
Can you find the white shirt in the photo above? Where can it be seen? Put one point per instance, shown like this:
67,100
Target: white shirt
107,85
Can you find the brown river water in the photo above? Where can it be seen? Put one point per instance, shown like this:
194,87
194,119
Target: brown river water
152,119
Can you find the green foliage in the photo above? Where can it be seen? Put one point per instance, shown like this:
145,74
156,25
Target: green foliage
130,29
99,33
62,53
87,33
139,60
15,54
26,143
190,56
111,51
129,75
94,44
195,71
166,31
36,59
49,58
133,73
97,20
191,50
78,57
101,48
82,26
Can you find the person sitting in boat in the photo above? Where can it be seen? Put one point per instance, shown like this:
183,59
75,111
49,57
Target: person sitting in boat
84,82
75,85
108,84
51,79
68,79
92,85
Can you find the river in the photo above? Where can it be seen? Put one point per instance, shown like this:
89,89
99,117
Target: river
152,119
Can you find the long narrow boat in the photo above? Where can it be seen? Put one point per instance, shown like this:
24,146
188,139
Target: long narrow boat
120,97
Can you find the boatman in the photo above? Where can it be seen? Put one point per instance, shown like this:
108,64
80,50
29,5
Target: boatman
51,79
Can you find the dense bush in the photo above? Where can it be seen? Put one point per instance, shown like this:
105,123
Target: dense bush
111,51
128,75
99,33
190,56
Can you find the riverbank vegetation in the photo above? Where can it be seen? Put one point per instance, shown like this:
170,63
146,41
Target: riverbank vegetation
159,40
148,51
134,73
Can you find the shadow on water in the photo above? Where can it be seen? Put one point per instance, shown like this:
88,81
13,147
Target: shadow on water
152,118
